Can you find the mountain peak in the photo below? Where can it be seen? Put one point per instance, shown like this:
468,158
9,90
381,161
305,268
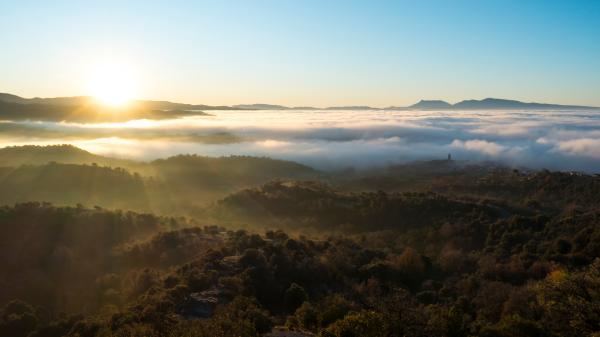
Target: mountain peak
431,104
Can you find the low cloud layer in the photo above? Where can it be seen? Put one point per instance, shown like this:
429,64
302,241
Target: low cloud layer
565,140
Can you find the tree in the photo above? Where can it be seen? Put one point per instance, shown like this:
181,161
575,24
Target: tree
18,319
360,324
294,297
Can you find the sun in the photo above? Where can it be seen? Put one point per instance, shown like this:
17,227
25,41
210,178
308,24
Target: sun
112,84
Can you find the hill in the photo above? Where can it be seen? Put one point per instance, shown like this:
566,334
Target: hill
64,101
86,109
426,249
114,273
188,181
71,184
67,175
311,205
12,156
10,98
69,257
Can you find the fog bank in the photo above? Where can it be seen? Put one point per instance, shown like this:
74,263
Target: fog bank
563,140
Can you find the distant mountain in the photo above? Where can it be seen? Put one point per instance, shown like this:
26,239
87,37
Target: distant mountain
81,100
352,107
496,103
431,104
484,104
304,108
166,105
259,106
75,100
10,98
85,109
283,107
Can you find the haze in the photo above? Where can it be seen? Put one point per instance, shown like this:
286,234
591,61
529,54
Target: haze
566,140
280,168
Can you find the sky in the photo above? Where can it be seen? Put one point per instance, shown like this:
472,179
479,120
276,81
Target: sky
298,53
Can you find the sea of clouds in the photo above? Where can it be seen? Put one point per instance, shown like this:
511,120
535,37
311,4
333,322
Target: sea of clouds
557,140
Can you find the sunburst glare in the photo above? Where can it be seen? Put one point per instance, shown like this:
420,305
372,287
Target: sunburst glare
113,84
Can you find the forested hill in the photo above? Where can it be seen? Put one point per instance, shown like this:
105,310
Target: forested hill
522,275
56,257
310,205
13,156
67,175
422,249
72,184
429,200
227,173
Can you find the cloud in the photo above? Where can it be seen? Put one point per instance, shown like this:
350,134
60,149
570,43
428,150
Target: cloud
586,147
333,139
478,145
511,130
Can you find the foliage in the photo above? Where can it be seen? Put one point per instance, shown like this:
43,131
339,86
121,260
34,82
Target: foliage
476,252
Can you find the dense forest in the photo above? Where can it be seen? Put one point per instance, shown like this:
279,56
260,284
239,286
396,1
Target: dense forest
176,185
244,246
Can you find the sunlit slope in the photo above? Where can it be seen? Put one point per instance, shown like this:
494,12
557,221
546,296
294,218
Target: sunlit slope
186,183
186,173
67,175
13,156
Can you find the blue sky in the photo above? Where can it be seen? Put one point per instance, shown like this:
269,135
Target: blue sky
319,53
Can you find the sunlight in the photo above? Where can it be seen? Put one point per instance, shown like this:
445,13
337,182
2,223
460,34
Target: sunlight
112,84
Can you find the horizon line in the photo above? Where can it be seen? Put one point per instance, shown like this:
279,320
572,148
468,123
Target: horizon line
451,103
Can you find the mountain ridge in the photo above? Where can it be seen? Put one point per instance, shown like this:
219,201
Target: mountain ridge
469,104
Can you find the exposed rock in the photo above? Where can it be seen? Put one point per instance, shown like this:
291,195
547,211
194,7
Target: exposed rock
200,304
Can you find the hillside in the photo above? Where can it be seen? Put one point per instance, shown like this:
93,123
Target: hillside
68,253
71,184
437,248
467,275
186,183
175,185
310,206
12,156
